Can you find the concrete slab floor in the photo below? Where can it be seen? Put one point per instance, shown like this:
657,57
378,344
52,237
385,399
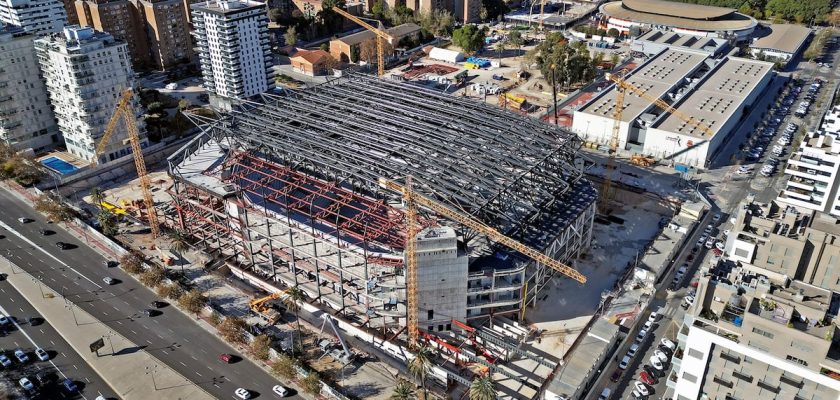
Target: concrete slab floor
568,306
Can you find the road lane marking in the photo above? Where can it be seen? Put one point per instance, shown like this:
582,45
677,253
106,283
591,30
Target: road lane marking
32,341
31,243
182,363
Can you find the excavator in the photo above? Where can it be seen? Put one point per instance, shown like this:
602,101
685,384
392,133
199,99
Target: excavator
262,307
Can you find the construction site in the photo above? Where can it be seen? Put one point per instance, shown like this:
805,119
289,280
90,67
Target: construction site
308,190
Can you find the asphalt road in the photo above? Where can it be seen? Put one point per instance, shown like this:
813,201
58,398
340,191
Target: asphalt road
64,361
77,274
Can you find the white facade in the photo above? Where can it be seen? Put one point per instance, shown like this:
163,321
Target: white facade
86,72
35,16
813,171
233,47
441,279
26,120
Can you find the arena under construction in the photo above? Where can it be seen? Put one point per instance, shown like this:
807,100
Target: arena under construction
288,188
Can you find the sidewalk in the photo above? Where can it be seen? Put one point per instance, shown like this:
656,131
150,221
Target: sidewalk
133,373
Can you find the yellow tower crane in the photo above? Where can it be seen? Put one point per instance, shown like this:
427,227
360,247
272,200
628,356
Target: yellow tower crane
414,199
621,87
125,111
380,36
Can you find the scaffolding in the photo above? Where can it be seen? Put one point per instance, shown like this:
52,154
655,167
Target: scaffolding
288,186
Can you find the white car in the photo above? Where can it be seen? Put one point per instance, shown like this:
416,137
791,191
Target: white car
624,363
652,317
41,354
641,388
242,393
709,229
641,336
660,355
656,363
726,233
283,392
108,280
647,326
719,246
667,343
689,300
710,243
702,240
26,384
4,320
5,361
633,349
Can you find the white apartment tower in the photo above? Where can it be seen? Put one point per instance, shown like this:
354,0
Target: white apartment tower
35,16
85,72
232,44
26,120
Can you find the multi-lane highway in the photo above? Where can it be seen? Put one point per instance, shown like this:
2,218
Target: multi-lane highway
64,363
78,273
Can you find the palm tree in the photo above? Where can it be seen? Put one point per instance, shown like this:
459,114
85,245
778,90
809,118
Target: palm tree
294,296
482,388
501,45
107,222
421,365
403,391
179,244
97,195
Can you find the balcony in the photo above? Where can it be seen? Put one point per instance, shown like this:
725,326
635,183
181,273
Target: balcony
787,315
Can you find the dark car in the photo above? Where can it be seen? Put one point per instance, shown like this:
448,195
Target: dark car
35,321
109,263
46,232
70,386
151,313
615,375
45,377
62,245
158,304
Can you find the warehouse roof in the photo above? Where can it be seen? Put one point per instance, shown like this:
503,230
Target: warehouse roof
786,38
656,77
681,40
730,22
584,359
398,32
715,100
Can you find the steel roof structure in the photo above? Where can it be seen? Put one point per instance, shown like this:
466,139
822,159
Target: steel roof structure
503,168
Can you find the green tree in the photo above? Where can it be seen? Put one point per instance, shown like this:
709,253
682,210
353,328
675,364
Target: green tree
284,367
482,388
154,107
403,391
330,20
421,365
469,38
193,301
612,32
290,36
515,39
260,347
183,104
293,299
178,242
615,59
275,14
324,46
97,196
378,10
107,222
494,8
232,329
833,18
437,22
400,15
501,46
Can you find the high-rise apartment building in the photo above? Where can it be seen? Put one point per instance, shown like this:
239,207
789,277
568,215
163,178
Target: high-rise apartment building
120,19
34,16
26,119
232,44
85,72
72,14
167,31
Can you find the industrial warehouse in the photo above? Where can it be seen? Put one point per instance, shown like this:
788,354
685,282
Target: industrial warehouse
712,93
291,188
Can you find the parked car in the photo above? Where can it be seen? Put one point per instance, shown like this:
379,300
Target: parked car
624,363
616,375
656,363
25,220
226,358
653,316
5,361
660,355
242,393
646,378
62,245
633,349
283,392
641,388
641,336
21,356
26,384
109,281
710,243
667,343
605,394
70,386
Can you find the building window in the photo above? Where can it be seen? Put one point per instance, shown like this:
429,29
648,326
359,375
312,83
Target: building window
689,377
763,333
431,314
796,360
696,354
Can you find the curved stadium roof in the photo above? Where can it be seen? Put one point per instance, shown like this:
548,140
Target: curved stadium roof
679,15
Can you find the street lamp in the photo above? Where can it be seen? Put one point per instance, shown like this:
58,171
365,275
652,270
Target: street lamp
40,288
554,91
151,371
